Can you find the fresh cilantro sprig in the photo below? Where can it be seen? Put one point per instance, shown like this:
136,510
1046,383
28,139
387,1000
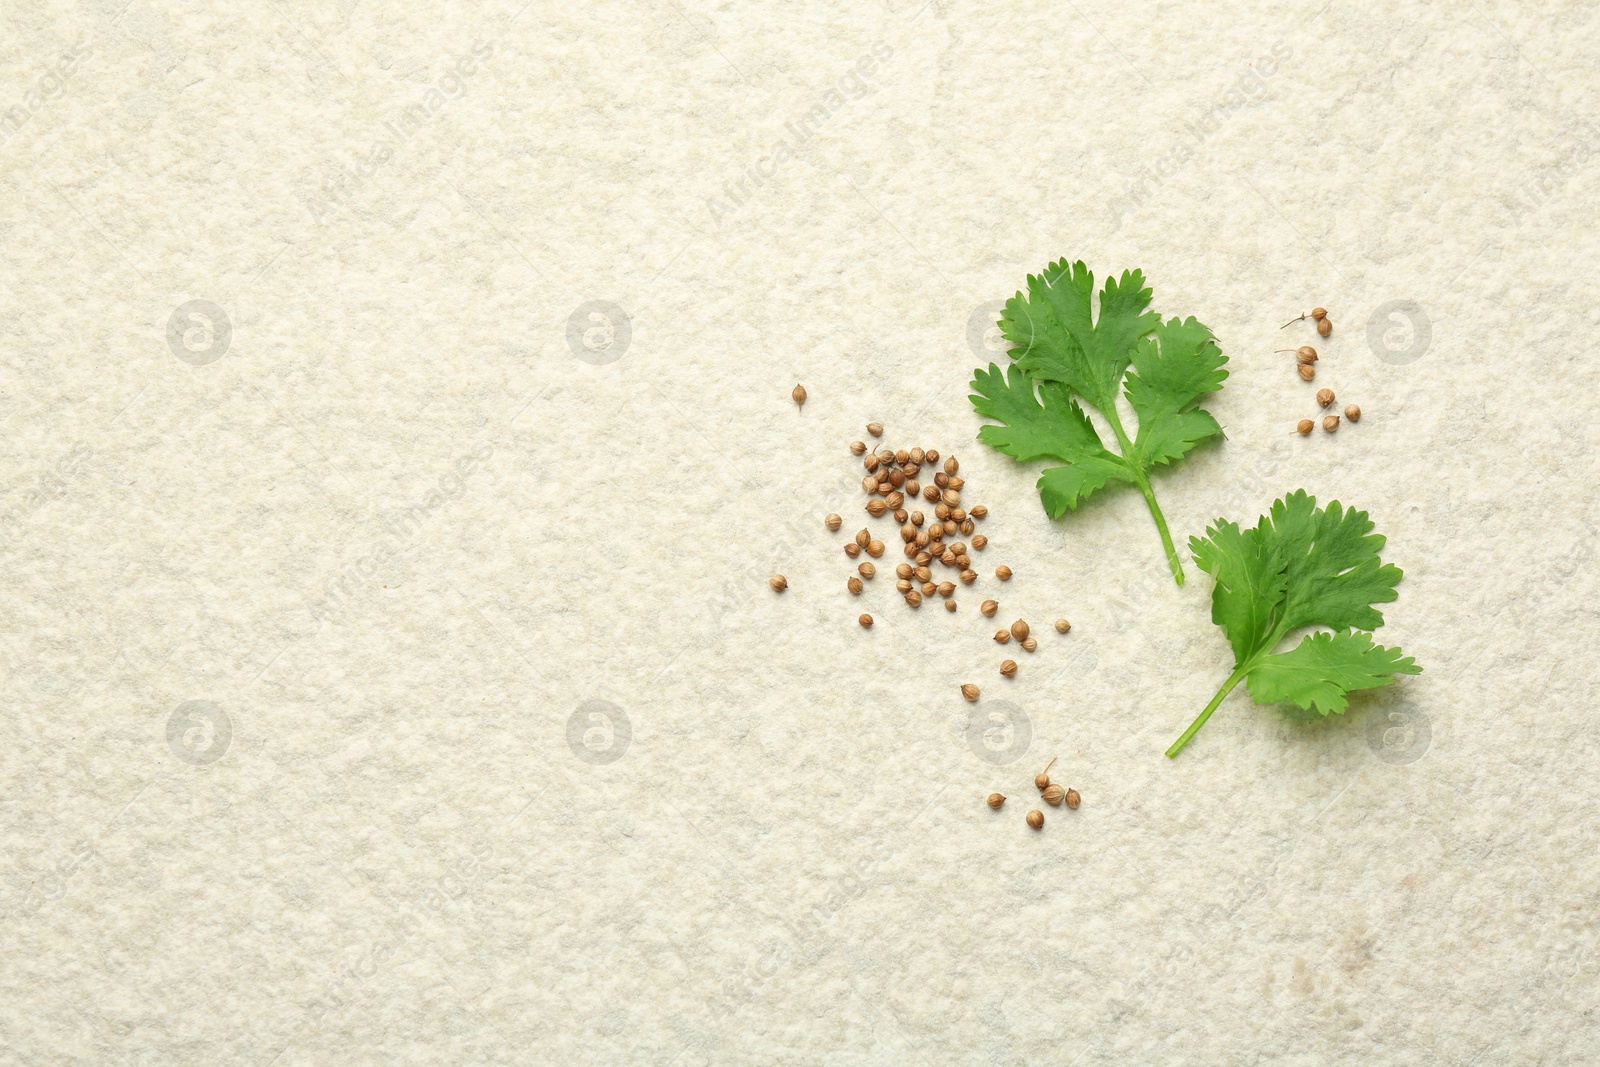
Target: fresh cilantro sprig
1300,566
1063,354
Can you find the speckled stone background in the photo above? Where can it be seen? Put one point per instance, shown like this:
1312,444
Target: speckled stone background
397,443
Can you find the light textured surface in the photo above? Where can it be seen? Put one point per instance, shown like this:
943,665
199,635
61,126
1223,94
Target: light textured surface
402,835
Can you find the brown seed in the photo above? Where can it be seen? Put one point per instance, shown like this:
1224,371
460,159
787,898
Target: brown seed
996,800
1042,779
1324,397
1304,427
1002,636
1019,629
1330,423
1073,799
908,533
923,559
948,558
917,455
867,570
1062,626
942,510
886,456
1054,795
869,484
916,518
1029,644
903,571
799,395
1315,313
852,549
778,582
1324,326
958,548
875,429
968,576
1036,819
901,517
958,516
1352,413
947,589
979,511
1303,354
912,487
930,493
883,488
951,466
901,456
897,478
923,574
833,522
1008,667
876,508
903,586
989,607
957,484
871,463
979,541
854,585
922,539
914,599
1307,372
931,455
865,621
858,447
967,527
950,528
1003,573
874,548
911,551
964,561
929,589
951,498
942,481
863,535
949,605
969,691
894,500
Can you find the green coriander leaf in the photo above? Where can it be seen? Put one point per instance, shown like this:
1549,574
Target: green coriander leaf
1300,566
1050,425
1320,670
1060,345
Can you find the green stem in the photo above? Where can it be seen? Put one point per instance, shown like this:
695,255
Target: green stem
1143,482
1227,687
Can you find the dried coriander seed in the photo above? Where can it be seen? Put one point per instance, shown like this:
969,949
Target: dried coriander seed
951,466
989,607
1315,313
908,533
947,589
942,481
969,691
932,455
1019,630
948,558
930,493
852,549
957,484
916,518
1324,327
1029,644
1324,397
872,463
951,498
858,447
1306,372
894,500
1054,795
942,510
979,542
799,396
950,528
1304,427
949,605
979,511
876,508
865,621
1352,413
1008,667
875,429
867,570
903,586
967,527
869,484
924,558
874,548
1330,423
903,570
1036,819
1303,354
863,535
914,598
1073,799
778,582
883,488
913,487
833,522
923,574
929,589
917,455
900,516
1042,779
854,585
897,478
1002,636
1062,626
1003,573
968,576
996,800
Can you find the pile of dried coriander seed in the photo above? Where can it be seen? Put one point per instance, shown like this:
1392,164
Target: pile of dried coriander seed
893,484
1305,359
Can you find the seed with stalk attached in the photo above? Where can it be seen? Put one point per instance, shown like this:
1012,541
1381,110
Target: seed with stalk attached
778,582
1042,779
1315,313
1303,354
